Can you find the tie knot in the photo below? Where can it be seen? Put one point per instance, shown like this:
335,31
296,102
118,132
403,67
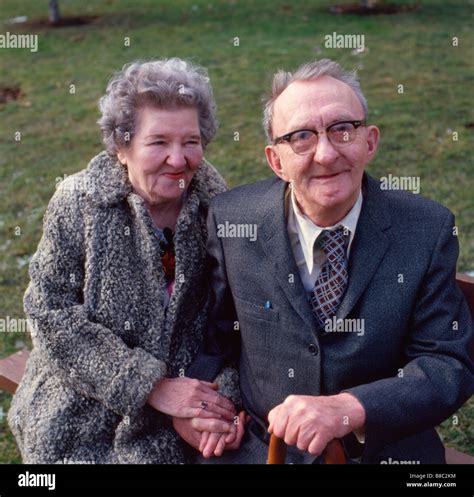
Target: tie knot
334,241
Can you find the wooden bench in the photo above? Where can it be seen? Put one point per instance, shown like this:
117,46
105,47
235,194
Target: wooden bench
13,367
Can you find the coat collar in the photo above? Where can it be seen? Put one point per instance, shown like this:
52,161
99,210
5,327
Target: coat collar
108,182
374,220
108,186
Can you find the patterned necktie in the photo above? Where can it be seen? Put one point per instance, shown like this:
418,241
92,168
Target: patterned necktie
332,280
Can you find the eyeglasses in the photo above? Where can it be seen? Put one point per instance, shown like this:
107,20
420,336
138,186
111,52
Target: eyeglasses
304,141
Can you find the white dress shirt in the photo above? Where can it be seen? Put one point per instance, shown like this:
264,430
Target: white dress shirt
303,233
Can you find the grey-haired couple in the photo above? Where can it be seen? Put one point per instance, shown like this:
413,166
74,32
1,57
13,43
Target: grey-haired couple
156,334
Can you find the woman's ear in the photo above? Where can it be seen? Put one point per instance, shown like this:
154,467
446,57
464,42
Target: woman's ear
273,159
121,156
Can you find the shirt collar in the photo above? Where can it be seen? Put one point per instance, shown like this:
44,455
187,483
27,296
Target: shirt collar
308,232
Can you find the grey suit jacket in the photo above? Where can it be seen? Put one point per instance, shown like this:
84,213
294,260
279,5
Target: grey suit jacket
410,368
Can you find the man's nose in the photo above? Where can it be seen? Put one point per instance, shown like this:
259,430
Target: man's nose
176,157
325,152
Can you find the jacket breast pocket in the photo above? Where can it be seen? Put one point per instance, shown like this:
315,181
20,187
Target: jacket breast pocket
256,311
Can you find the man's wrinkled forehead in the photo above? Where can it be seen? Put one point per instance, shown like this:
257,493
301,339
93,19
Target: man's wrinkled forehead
320,97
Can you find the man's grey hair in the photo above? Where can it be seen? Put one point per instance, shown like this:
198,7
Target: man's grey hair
168,84
308,72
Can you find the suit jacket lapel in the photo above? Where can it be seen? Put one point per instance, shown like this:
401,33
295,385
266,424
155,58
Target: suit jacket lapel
369,245
273,236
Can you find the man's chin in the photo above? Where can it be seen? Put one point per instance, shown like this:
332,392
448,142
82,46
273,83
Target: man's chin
329,197
331,202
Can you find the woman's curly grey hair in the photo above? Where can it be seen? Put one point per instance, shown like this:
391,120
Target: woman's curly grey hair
307,72
167,83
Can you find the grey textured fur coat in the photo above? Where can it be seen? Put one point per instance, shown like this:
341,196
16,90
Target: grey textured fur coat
101,334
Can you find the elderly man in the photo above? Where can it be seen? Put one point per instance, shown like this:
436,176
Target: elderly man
342,313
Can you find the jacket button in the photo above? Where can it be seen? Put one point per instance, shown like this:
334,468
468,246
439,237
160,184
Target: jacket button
313,349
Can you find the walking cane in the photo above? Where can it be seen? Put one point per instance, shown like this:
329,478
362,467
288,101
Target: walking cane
333,454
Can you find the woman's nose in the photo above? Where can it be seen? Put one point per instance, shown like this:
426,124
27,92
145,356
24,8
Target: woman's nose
176,157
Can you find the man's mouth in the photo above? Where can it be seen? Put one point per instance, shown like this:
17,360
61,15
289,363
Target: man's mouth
328,176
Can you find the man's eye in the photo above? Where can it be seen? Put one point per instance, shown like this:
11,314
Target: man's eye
341,128
158,142
302,136
193,142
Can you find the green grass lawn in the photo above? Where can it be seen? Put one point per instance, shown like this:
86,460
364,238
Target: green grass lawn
59,134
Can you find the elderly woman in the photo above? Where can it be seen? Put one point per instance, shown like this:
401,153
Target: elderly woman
118,294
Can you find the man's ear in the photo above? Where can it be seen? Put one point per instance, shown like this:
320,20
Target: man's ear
373,135
273,160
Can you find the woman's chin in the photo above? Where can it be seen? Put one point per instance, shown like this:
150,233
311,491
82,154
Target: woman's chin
165,195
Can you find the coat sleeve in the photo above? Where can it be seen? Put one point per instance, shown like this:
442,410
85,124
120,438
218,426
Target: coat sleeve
89,357
438,375
219,354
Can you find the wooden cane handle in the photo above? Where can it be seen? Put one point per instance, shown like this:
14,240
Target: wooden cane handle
276,450
333,454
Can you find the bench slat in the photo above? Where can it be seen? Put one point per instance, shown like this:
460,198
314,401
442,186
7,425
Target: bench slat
453,456
12,369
